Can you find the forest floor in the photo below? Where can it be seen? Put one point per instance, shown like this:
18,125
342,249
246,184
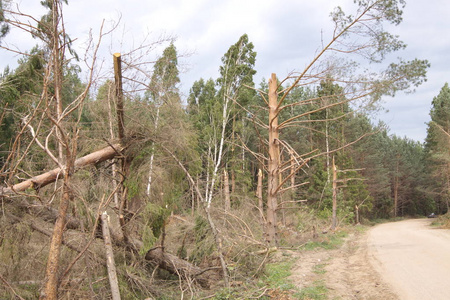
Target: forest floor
399,260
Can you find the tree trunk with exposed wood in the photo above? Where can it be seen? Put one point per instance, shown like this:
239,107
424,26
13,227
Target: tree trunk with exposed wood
110,264
273,165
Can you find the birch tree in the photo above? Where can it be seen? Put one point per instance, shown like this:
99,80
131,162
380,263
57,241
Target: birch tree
163,90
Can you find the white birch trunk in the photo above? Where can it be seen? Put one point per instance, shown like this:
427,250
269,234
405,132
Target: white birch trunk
218,161
149,183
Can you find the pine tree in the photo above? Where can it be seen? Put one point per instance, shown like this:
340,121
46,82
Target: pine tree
438,149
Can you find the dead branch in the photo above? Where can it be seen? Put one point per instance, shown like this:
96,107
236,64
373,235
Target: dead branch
10,287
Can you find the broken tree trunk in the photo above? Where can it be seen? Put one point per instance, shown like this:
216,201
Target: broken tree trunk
259,195
46,178
274,164
125,161
112,274
177,266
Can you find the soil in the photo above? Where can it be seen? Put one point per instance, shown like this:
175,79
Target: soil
346,272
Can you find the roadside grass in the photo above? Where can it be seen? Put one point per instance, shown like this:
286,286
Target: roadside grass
276,275
320,269
318,291
277,279
275,283
442,221
327,242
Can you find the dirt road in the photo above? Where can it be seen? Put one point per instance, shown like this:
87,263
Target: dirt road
404,260
413,258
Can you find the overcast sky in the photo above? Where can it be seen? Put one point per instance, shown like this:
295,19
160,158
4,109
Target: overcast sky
286,35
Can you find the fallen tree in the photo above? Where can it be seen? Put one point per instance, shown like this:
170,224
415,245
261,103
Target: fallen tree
46,178
164,260
178,266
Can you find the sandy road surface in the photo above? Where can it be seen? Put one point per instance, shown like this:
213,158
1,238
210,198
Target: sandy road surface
413,258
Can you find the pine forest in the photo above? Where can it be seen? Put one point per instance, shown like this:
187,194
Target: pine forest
116,185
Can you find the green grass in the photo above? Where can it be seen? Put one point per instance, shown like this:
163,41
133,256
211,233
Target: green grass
328,242
319,269
316,292
277,275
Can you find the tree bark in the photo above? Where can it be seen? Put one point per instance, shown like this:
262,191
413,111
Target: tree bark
259,194
124,161
334,217
46,178
177,266
226,190
396,185
273,165
57,58
119,94
51,274
112,274
111,135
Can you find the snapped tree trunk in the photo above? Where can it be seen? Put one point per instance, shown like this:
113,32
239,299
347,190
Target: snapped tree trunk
273,165
259,194
111,266
125,161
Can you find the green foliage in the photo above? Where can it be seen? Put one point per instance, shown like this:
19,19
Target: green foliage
148,240
44,30
4,26
133,187
437,149
17,93
155,217
165,78
224,294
